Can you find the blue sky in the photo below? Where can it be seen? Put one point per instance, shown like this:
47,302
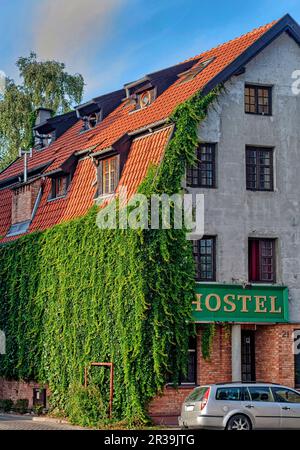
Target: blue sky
112,42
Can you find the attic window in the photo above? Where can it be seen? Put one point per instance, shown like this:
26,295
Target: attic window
195,70
18,228
108,175
59,186
145,98
93,120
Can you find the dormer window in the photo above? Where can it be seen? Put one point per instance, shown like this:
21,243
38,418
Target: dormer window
92,121
145,98
59,186
108,175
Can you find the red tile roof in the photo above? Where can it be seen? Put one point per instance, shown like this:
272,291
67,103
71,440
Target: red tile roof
144,151
122,120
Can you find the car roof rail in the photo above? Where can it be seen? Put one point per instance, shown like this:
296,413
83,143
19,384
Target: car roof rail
247,382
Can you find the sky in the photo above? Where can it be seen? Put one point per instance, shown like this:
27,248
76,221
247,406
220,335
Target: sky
113,42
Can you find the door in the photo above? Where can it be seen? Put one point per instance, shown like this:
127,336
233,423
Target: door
248,356
289,401
259,404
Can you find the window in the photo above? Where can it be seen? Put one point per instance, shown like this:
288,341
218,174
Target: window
297,357
195,70
262,260
191,375
59,186
92,120
284,395
205,258
197,395
260,394
108,175
18,228
259,169
202,174
230,394
258,100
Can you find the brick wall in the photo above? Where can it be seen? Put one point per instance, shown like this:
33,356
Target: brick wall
165,409
23,201
274,363
274,358
16,390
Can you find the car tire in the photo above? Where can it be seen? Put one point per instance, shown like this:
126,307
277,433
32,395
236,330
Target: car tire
239,422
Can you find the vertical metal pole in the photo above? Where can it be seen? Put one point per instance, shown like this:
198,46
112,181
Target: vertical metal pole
111,390
25,167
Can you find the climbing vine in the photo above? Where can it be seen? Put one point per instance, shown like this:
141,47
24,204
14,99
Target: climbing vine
76,293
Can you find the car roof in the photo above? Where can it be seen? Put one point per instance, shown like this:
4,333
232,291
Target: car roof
244,383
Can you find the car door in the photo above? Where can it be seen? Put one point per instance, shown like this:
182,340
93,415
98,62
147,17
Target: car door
259,404
289,402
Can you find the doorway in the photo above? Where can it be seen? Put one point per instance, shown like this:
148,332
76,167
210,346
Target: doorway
248,356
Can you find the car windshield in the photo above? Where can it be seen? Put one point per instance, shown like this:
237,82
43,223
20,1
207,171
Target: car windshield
197,394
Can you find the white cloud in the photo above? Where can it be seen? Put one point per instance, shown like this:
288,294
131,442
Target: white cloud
63,28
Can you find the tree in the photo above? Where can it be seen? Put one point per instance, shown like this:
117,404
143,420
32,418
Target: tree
43,84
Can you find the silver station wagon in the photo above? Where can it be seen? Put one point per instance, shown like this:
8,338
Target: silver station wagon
241,406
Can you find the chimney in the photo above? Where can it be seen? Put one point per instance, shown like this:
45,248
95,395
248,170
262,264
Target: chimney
42,115
24,199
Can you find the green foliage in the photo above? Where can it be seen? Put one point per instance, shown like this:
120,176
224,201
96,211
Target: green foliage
44,84
85,406
207,339
6,405
21,406
76,293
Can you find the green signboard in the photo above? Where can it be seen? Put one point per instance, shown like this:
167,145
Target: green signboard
234,303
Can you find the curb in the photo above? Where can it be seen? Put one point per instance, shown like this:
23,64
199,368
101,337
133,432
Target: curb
51,420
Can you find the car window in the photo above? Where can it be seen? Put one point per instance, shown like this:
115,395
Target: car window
230,393
286,395
197,394
260,394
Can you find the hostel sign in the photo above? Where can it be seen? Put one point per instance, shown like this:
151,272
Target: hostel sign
234,303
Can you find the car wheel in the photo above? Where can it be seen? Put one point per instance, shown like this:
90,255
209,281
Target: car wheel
239,422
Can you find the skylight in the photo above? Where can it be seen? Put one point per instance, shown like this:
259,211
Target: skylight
18,228
195,70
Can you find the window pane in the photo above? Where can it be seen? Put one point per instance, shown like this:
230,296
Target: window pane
230,394
262,260
203,173
204,254
259,169
109,175
260,394
258,99
283,395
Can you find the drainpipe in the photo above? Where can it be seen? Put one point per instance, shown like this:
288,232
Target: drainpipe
236,356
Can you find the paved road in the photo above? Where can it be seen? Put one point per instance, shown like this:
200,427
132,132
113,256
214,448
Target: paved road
11,422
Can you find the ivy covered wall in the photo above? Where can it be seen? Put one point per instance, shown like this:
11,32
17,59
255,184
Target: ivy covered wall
75,294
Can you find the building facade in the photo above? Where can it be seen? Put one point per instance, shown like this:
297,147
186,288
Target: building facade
248,160
248,263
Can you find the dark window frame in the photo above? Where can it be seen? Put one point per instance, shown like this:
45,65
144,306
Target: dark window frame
197,257
192,353
258,169
256,276
256,88
195,172
55,193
